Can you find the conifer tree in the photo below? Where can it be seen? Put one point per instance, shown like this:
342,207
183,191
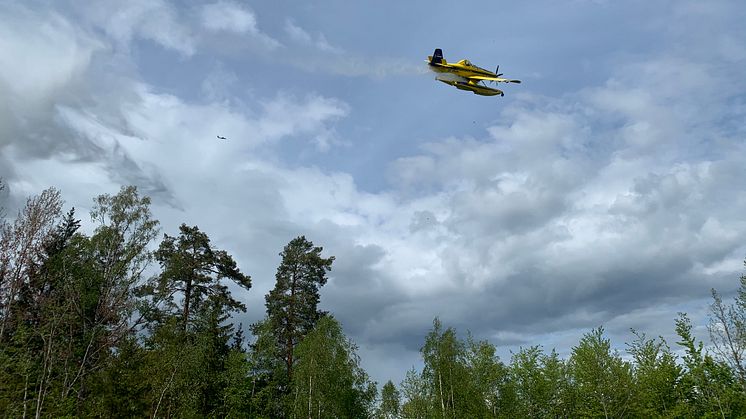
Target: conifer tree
292,306
193,271
193,366
390,402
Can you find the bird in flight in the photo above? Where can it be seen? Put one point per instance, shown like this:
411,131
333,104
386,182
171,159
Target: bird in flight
221,138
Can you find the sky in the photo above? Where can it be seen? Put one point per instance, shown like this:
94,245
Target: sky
609,188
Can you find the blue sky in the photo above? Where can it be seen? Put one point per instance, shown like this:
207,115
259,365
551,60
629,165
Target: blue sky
607,188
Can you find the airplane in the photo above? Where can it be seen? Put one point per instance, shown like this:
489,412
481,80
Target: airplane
221,138
464,75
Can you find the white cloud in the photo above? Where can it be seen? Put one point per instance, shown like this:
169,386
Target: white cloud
154,20
301,36
286,115
313,52
228,16
36,60
574,211
231,17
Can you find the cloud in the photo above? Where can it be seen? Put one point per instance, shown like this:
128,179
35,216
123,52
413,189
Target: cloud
543,217
313,52
617,203
38,60
231,17
300,36
307,116
44,61
158,21
228,16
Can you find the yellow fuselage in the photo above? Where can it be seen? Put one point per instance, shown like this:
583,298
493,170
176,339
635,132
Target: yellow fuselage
462,68
457,75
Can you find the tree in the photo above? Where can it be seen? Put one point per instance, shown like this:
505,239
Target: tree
727,329
22,249
328,381
267,374
120,256
487,377
414,389
541,384
390,402
195,370
656,376
292,304
603,379
707,385
445,371
24,315
193,270
236,397
76,301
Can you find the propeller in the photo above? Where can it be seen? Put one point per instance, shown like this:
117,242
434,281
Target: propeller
498,69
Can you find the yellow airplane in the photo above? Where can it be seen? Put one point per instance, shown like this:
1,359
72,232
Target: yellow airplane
465,75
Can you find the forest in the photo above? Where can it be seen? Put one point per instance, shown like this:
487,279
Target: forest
125,321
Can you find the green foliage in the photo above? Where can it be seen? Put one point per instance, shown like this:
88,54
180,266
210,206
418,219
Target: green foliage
22,253
236,396
487,378
417,404
603,380
657,376
292,304
328,381
267,374
459,379
709,387
390,402
192,275
83,335
541,384
195,370
445,371
75,304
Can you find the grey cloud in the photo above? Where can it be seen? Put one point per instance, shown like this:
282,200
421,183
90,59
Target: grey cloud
618,202
422,220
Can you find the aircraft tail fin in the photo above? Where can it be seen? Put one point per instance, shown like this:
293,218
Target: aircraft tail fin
437,57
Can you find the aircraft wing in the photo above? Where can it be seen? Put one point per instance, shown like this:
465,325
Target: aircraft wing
495,79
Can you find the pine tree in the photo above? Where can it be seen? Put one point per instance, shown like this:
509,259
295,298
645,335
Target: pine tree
194,271
190,341
292,306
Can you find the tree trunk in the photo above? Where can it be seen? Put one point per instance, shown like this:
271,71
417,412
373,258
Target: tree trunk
309,397
289,327
187,297
442,404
